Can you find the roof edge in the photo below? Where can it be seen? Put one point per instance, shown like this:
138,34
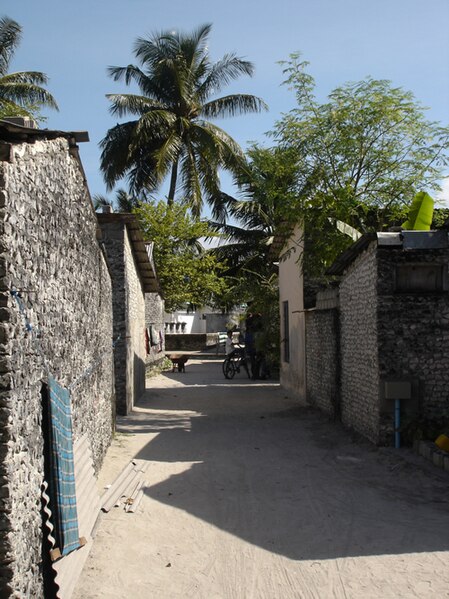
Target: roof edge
141,250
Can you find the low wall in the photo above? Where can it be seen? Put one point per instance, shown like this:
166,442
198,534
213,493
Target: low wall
190,342
322,363
360,408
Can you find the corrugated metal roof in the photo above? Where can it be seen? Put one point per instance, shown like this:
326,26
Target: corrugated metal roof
13,133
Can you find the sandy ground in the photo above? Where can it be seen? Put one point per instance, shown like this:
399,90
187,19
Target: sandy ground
251,496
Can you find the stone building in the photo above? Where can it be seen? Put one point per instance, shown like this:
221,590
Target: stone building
385,323
322,343
56,305
133,275
390,326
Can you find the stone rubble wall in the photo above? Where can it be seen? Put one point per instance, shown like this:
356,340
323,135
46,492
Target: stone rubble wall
129,316
359,346
322,363
413,336
135,336
154,317
113,236
49,251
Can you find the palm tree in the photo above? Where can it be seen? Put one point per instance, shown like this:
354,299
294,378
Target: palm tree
21,93
123,201
268,192
171,133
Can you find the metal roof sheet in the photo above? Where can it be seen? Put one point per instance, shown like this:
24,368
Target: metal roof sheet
14,133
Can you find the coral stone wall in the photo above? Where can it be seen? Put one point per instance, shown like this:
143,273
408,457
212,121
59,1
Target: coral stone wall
359,345
129,316
135,327
413,334
113,236
154,317
50,253
322,363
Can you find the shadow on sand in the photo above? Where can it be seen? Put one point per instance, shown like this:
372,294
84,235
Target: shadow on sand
281,477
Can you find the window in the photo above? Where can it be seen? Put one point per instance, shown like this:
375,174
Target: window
286,332
421,278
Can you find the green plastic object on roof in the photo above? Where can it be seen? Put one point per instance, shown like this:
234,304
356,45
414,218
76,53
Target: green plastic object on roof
420,214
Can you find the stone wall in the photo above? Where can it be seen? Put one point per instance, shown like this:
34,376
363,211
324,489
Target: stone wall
135,327
359,346
191,342
216,323
129,315
413,337
154,317
322,363
50,253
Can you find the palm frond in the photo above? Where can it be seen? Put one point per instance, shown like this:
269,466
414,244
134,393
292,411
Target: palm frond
129,74
193,47
10,108
238,234
99,200
233,105
123,104
25,77
229,153
26,93
114,158
10,35
153,127
223,72
158,51
22,88
125,202
168,152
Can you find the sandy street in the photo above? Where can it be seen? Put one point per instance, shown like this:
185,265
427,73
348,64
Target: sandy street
251,496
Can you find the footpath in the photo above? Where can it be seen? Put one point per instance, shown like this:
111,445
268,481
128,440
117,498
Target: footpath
250,495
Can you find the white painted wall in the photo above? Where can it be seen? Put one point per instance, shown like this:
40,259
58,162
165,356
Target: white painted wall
193,320
293,377
196,321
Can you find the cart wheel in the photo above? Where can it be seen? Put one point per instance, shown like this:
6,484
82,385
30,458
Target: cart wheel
228,369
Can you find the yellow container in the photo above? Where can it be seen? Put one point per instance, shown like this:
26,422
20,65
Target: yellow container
443,442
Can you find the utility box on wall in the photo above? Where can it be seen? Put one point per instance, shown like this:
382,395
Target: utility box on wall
407,390
398,390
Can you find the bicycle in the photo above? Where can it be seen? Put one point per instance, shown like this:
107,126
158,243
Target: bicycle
234,362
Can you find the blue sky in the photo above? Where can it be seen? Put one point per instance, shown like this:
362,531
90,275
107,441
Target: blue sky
405,41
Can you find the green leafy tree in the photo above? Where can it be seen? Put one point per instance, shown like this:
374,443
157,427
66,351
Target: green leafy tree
267,191
364,153
172,133
21,93
187,273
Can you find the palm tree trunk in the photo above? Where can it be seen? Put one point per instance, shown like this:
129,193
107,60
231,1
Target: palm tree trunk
173,181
